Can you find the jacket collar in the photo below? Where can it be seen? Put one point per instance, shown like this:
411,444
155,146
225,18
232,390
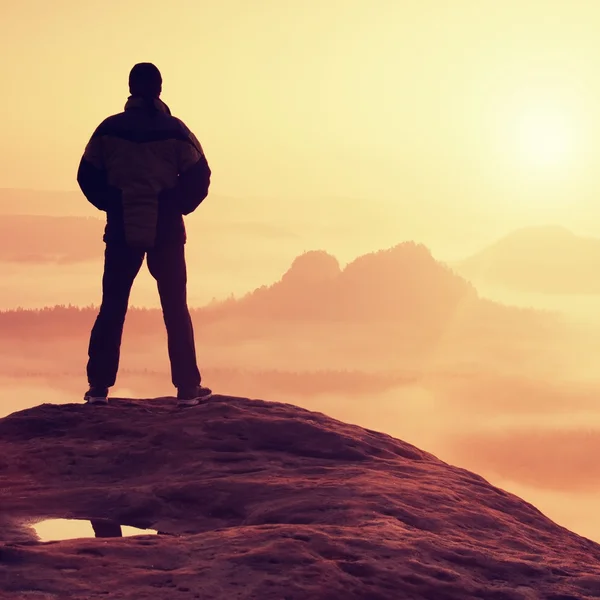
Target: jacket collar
137,102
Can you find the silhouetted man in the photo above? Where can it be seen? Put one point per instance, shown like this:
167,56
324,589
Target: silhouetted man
145,169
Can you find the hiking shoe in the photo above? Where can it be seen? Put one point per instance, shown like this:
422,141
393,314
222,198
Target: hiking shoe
193,396
96,395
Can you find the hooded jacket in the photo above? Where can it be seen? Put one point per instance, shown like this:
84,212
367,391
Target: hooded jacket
145,169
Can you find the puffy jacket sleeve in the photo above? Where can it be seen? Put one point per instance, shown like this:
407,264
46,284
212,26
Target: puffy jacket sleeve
92,175
194,173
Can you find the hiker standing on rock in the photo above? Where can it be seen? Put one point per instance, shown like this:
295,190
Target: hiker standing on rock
145,169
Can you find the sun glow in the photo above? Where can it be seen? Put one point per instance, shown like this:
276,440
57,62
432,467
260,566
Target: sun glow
544,138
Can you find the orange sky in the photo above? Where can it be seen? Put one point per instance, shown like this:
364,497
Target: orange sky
465,118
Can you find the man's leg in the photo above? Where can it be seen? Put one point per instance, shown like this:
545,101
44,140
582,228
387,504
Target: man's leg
121,265
167,266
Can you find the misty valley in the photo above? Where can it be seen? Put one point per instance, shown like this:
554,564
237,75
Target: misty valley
395,340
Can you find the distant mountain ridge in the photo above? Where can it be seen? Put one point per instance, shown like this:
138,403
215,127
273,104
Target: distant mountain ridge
41,239
16,201
549,259
392,283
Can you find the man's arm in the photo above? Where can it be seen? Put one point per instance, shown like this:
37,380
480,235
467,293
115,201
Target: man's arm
91,175
194,174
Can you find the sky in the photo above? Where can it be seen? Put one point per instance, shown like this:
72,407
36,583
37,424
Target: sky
474,111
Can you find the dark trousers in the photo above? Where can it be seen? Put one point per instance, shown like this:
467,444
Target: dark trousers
121,265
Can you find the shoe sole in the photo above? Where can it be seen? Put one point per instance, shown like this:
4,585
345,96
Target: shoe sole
193,401
95,400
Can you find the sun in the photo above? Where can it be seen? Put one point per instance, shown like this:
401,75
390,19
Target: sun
544,138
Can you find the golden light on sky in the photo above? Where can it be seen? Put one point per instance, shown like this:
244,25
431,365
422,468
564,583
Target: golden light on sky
543,132
483,111
545,140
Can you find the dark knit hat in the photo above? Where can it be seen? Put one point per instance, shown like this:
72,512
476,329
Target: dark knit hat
145,80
